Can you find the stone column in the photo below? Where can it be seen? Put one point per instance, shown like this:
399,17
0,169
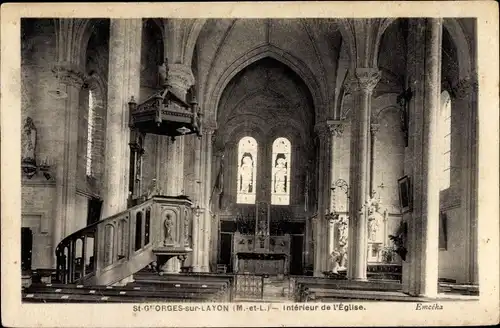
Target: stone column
175,167
465,93
70,81
336,129
123,83
362,84
196,256
321,257
181,79
206,225
431,169
420,270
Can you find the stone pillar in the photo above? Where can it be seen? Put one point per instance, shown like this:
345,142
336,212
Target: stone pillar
70,81
465,94
123,83
206,224
180,78
431,168
195,263
175,167
362,84
175,184
420,270
336,129
322,256
196,255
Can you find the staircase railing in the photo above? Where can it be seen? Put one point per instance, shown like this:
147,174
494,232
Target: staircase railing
112,249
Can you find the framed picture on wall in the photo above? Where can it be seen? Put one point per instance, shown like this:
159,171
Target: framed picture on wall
405,197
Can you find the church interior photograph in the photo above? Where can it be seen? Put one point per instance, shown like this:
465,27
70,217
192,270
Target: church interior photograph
224,160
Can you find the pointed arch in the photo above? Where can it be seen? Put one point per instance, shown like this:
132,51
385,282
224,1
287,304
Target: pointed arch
260,52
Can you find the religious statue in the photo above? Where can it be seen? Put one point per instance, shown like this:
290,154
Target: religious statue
280,174
28,142
343,238
262,227
168,229
374,214
163,74
372,227
246,173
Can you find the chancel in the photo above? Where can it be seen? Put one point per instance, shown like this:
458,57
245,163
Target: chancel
237,159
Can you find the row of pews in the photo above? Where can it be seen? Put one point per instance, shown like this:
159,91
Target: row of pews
323,289
147,287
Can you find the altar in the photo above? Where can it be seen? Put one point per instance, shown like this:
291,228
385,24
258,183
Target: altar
267,255
261,253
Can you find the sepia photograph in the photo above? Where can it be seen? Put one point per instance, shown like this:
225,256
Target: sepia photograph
249,164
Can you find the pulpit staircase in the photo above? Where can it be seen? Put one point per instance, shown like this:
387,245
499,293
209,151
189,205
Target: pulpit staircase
155,230
112,249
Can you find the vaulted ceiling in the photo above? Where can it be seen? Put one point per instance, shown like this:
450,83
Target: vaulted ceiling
310,48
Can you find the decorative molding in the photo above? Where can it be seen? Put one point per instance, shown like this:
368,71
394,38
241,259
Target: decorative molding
363,79
336,127
374,128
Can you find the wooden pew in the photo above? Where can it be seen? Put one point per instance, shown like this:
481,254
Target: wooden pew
54,298
226,281
304,286
126,293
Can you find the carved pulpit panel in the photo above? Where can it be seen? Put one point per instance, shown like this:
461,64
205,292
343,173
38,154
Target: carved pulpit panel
170,227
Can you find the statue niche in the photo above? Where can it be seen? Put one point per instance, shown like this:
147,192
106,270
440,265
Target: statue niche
169,224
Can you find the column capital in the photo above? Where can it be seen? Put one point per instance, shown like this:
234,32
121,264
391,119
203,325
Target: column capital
68,75
336,127
209,127
180,77
363,79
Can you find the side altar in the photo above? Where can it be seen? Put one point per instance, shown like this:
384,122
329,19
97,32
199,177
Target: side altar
260,252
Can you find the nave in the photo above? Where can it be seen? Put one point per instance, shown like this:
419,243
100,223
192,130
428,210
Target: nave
268,159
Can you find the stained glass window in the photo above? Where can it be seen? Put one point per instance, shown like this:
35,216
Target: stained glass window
280,184
247,170
445,132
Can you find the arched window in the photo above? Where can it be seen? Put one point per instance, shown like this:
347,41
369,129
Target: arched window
280,184
247,170
445,133
90,133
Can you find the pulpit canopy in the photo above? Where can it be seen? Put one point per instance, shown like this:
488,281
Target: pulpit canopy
165,113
